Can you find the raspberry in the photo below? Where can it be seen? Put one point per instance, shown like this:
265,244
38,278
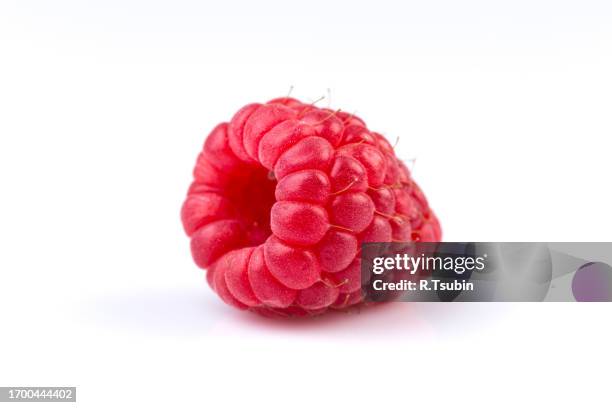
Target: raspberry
282,197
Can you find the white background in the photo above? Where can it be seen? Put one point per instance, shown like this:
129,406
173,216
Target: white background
104,106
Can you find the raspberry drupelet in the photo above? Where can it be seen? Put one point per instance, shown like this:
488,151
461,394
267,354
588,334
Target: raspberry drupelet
282,198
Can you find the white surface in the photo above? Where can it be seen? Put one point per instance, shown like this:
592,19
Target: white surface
104,105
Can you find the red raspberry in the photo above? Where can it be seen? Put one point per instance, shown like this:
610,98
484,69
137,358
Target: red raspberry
283,196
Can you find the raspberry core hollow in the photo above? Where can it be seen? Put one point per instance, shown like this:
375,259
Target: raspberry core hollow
282,198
